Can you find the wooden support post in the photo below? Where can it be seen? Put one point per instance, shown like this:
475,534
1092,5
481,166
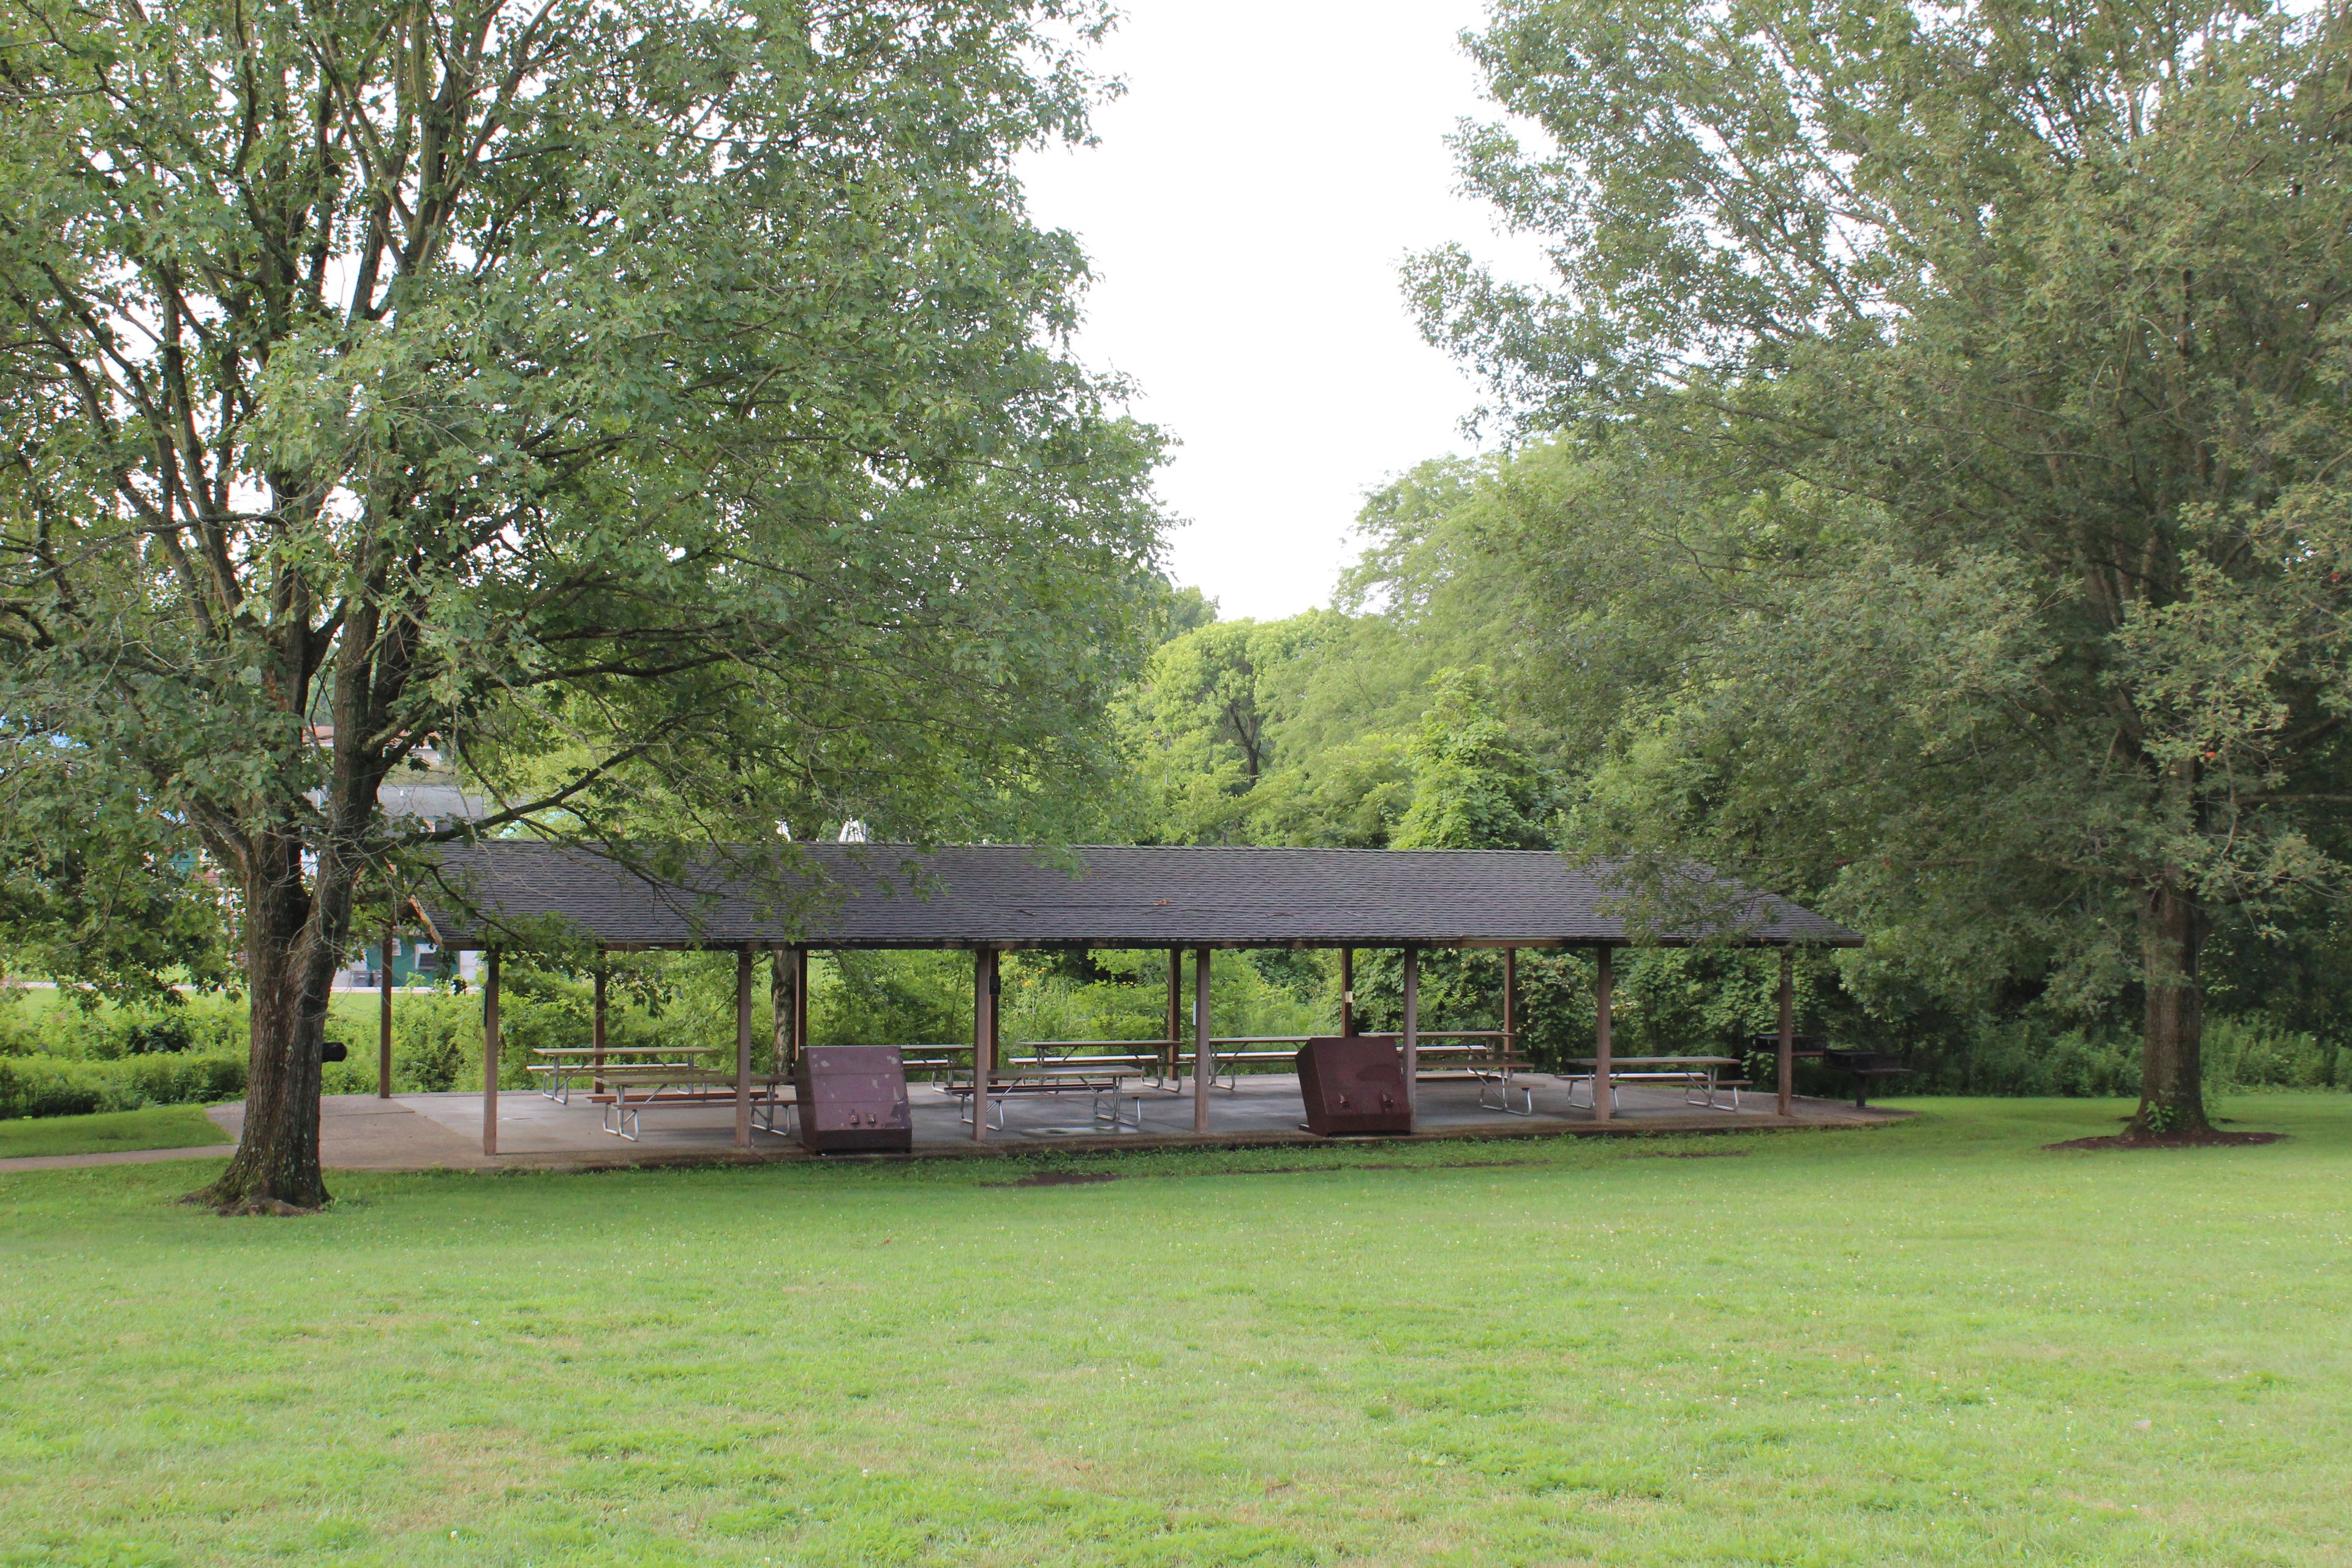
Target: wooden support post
1174,1048
1784,1086
1205,1055
1409,1042
597,1025
800,1006
983,1037
1605,1093
1347,990
779,1007
493,1051
1510,1003
383,1008
745,965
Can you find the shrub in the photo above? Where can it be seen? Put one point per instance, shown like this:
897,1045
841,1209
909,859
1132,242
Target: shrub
48,1086
158,1035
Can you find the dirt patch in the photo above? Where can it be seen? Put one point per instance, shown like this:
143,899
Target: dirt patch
1084,1178
2208,1139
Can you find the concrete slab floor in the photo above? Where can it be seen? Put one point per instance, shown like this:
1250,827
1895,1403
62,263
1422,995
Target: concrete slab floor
443,1131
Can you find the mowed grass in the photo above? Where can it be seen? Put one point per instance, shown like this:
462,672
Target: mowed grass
155,1127
1933,1343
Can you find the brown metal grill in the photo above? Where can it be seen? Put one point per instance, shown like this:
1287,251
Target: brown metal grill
852,1100
1354,1083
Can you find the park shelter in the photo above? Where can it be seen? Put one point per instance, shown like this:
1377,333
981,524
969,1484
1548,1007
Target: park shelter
988,899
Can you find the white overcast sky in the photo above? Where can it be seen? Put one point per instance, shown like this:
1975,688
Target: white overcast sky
1270,165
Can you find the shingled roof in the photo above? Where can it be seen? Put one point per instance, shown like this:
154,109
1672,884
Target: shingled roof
897,896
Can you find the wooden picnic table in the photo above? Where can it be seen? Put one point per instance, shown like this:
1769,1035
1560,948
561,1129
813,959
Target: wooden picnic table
1691,1072
564,1064
609,1051
771,1092
1084,1067
1484,1055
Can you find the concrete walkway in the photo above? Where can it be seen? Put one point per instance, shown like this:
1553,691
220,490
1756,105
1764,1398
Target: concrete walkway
443,1131
361,1132
356,1132
119,1157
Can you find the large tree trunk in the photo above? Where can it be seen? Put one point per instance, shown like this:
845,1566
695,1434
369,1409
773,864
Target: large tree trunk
291,974
2172,1088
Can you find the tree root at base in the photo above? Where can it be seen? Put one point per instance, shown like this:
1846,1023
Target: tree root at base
246,1205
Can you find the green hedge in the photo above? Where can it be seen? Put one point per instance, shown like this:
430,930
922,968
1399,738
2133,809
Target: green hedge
53,1086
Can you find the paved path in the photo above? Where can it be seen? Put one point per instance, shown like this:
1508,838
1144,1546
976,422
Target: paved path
356,1132
361,1132
119,1157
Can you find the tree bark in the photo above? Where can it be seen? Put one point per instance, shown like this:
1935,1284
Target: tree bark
2172,1088
288,976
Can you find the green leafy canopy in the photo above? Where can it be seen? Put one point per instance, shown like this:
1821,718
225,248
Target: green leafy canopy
1962,394
663,408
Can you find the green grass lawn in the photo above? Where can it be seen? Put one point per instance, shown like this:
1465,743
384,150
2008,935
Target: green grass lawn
156,1126
1933,1343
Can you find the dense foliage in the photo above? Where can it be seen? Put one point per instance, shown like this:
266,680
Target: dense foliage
662,408
1957,398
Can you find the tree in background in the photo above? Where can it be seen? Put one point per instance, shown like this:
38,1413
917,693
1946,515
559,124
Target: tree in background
1969,388
1473,787
1264,732
98,891
664,406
